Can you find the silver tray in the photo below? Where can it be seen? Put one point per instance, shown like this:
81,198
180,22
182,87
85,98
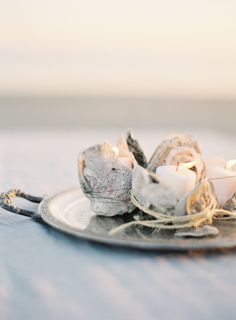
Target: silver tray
69,212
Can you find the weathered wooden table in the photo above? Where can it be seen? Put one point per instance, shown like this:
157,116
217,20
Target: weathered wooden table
45,274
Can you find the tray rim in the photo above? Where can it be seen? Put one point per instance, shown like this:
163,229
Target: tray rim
44,211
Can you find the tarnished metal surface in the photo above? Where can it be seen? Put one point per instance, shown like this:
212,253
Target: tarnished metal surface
69,211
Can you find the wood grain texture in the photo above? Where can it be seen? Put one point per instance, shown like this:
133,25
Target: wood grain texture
45,274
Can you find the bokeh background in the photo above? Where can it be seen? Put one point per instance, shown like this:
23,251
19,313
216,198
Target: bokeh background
117,64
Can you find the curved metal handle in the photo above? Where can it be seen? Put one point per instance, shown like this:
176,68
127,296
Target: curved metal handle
6,203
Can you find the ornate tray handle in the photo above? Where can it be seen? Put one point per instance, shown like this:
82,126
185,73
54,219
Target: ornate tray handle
6,203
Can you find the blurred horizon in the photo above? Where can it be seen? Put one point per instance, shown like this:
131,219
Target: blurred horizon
114,96
99,113
72,64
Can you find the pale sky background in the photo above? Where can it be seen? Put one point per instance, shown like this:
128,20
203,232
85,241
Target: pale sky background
179,48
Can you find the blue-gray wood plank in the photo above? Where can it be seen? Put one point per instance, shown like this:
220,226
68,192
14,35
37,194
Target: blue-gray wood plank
45,274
